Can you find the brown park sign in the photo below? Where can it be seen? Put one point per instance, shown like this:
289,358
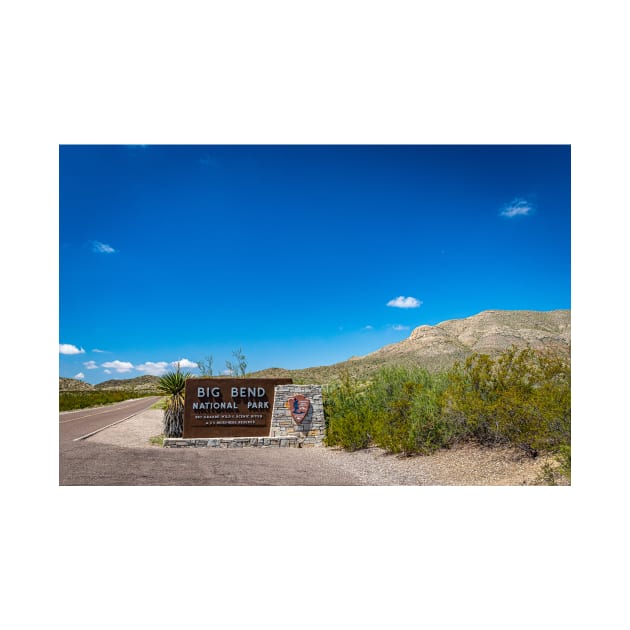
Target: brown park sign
229,407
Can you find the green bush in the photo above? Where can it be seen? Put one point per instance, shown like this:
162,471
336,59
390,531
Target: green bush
558,473
405,405
520,398
399,410
84,399
564,460
347,421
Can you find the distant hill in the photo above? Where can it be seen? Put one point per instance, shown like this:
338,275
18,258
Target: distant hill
73,385
438,347
137,384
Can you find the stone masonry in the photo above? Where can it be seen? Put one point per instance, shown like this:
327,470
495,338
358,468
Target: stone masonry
312,430
285,432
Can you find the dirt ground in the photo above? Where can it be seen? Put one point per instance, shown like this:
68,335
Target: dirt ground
123,455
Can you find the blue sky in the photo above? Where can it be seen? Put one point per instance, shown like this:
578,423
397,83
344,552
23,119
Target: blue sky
299,255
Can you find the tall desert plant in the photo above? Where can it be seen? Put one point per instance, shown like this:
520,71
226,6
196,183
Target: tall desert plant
239,367
206,366
173,385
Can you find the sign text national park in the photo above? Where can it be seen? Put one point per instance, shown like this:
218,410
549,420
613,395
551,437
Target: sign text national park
229,407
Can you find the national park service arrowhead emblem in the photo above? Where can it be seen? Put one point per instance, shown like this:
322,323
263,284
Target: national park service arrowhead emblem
298,405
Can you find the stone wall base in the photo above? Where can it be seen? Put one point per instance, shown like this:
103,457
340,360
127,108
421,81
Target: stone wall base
288,441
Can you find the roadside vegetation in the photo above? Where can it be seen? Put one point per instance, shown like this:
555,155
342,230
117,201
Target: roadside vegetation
157,440
160,404
173,386
84,399
520,398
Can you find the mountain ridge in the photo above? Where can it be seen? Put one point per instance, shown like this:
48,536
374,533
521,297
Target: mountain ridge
438,347
434,347
491,330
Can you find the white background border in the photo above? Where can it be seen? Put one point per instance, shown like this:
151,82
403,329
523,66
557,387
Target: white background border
325,72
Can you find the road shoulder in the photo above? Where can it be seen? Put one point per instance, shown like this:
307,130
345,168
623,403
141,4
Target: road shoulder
133,432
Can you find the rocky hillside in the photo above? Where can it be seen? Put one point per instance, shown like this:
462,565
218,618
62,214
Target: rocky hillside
439,347
73,385
488,332
138,384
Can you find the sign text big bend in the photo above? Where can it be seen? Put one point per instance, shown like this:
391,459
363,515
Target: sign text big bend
229,407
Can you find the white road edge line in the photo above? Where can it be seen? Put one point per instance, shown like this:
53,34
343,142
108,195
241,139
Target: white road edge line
87,435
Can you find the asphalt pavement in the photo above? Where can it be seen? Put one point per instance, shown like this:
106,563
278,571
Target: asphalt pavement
88,462
82,422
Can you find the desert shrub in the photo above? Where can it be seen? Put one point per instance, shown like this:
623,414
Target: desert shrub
84,399
398,410
347,422
558,472
405,405
564,460
470,398
521,398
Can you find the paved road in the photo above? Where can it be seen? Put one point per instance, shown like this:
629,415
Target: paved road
90,463
74,424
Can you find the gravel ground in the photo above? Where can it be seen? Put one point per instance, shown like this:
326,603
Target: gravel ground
134,432
463,465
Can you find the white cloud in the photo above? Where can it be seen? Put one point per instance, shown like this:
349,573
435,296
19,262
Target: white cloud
400,327
155,369
119,366
107,371
102,248
79,375
517,207
68,348
184,363
368,327
90,365
97,350
404,302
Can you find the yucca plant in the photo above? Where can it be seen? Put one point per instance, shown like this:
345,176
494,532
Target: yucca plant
173,385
